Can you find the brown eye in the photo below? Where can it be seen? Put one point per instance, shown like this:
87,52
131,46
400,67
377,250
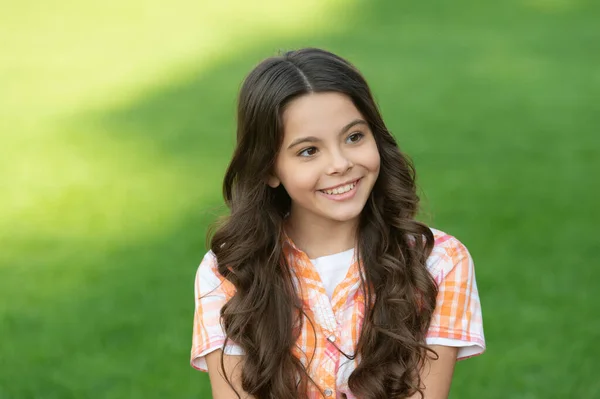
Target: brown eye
308,152
355,137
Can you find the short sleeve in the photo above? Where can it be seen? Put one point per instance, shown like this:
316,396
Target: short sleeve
212,291
457,319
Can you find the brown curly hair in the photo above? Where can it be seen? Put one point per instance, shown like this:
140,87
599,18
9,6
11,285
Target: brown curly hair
392,247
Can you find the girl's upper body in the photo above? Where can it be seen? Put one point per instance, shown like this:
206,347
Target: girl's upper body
337,318
321,283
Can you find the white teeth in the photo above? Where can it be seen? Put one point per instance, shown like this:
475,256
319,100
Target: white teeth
340,190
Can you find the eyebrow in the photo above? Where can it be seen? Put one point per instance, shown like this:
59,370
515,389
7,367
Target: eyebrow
313,139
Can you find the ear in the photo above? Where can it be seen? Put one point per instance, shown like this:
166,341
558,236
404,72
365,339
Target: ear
273,181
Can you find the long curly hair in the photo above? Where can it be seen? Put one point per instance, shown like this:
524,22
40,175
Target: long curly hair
392,247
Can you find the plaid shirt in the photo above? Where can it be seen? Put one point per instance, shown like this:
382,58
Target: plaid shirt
457,319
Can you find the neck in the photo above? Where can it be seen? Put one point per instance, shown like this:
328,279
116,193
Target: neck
318,237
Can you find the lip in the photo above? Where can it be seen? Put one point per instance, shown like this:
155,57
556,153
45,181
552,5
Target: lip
342,197
341,185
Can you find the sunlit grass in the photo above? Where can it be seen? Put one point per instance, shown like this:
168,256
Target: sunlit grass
67,57
66,61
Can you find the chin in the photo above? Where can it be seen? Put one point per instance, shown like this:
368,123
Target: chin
345,216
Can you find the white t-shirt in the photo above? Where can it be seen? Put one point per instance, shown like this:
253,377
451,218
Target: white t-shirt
333,269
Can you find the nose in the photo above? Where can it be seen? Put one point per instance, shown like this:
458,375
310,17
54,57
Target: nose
339,163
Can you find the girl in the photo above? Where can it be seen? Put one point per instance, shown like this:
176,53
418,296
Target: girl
321,284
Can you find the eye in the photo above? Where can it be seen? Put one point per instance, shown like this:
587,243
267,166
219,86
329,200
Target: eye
308,152
355,137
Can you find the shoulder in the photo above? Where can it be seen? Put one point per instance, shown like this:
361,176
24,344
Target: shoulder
208,278
208,268
448,253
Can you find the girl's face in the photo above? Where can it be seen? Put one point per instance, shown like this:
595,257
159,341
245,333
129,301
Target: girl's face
328,162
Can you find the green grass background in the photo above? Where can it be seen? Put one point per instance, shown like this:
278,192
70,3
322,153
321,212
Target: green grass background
117,122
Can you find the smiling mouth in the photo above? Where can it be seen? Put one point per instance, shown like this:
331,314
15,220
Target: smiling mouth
341,189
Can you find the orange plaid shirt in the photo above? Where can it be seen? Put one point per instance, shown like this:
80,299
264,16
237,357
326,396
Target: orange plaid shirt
457,319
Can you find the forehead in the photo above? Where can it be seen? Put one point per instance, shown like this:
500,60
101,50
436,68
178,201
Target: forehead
318,114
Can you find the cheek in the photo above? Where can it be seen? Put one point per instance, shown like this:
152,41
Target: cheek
371,158
377,163
298,179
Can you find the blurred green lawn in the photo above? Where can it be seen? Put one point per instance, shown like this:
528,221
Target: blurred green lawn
117,121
